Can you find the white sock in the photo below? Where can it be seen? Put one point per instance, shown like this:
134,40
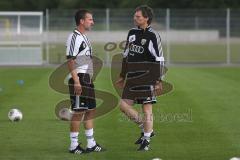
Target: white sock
90,140
74,140
147,136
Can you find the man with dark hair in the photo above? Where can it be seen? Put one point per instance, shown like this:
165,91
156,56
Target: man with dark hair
81,87
142,73
147,12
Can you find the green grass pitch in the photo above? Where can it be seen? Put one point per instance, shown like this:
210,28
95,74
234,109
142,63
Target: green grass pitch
207,97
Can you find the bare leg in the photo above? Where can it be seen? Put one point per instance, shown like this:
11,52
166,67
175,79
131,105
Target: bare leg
74,129
88,125
148,118
88,119
127,108
148,126
75,121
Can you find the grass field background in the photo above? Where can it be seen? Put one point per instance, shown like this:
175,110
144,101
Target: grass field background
209,96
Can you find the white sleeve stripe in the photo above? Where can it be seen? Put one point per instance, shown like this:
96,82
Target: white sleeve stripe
160,59
159,45
72,44
151,49
125,53
158,42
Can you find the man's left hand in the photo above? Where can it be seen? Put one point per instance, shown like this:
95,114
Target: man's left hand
158,88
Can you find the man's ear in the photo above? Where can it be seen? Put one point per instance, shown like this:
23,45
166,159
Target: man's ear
147,19
81,21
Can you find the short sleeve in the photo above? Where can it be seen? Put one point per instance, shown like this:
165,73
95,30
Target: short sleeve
72,45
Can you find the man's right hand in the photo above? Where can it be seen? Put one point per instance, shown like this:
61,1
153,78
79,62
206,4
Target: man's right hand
77,89
120,82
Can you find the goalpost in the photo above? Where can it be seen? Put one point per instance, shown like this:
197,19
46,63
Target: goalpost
21,37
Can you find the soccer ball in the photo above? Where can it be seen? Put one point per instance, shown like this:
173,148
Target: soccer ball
235,158
15,115
65,114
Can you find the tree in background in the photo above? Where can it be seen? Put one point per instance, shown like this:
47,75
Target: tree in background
31,5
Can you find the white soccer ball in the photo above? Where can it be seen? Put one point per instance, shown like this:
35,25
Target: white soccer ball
65,114
235,158
15,115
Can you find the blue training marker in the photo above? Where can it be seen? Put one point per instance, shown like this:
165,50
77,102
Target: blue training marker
20,82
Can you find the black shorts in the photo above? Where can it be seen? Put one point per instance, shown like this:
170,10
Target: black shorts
86,101
139,94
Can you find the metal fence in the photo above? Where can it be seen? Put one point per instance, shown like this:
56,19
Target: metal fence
177,19
21,38
189,36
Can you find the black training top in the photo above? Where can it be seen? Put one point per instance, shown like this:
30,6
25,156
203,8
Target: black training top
143,46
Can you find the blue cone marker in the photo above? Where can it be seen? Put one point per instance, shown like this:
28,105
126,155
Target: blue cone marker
20,82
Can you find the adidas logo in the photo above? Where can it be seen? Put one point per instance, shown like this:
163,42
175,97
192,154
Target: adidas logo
97,149
78,152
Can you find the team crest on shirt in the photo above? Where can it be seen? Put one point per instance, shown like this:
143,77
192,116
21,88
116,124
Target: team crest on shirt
143,41
88,53
132,38
84,45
